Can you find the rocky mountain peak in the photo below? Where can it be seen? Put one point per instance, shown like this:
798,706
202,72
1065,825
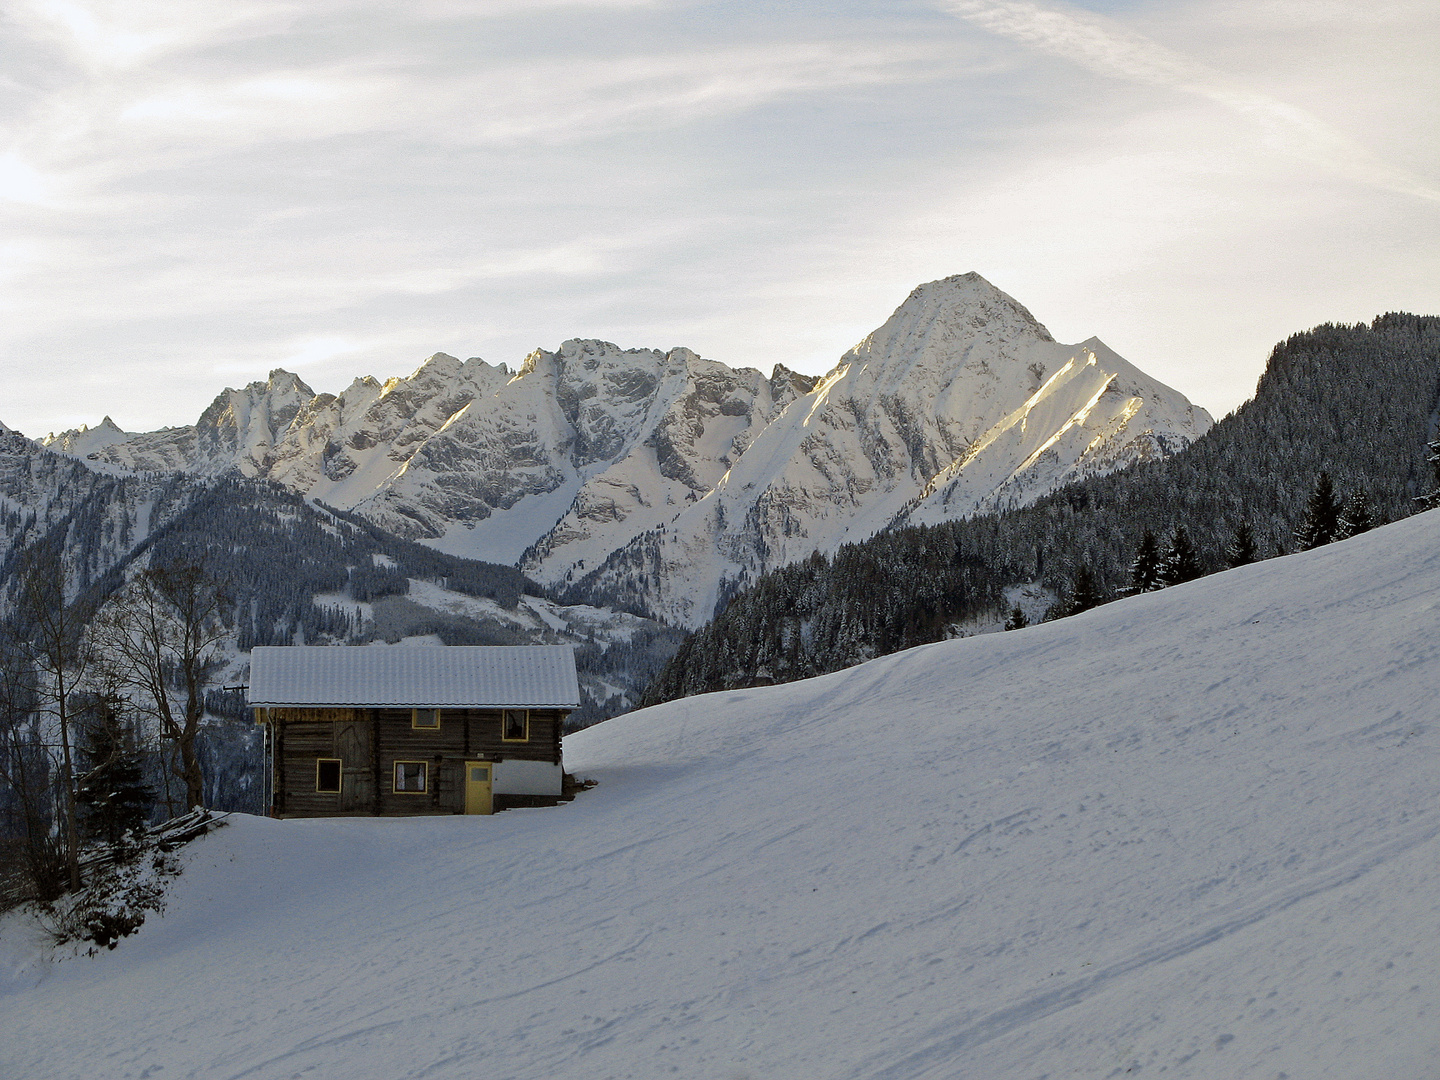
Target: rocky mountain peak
281,381
532,362
661,478
85,440
439,368
971,301
787,385
960,322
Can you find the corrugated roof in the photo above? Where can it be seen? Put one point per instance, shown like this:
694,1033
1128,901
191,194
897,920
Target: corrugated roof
456,675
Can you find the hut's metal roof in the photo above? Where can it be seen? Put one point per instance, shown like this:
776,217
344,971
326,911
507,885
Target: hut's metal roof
540,676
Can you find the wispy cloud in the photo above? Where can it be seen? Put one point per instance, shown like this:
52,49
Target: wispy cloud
509,103
353,184
121,34
1109,48
626,93
83,140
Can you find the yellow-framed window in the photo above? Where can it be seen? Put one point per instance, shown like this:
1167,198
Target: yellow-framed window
425,719
328,772
515,725
411,778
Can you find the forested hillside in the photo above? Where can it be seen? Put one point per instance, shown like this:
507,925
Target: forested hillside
1358,403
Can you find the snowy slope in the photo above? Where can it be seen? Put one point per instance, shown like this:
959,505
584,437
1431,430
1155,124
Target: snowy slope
1193,833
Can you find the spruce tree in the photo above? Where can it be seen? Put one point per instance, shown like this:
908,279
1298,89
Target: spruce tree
1084,594
1431,499
1322,516
1241,551
112,795
1179,563
1356,517
1017,619
1145,568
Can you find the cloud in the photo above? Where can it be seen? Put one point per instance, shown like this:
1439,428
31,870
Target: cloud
307,352
120,34
128,34
642,91
495,9
258,182
86,138
1105,46
21,182
518,102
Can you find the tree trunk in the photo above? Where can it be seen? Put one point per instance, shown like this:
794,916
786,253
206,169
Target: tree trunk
67,777
190,770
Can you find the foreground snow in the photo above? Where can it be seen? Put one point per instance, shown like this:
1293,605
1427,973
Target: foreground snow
1191,834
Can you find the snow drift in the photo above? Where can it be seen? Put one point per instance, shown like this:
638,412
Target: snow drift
1193,834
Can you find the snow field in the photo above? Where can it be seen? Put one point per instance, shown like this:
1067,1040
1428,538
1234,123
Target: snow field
1190,834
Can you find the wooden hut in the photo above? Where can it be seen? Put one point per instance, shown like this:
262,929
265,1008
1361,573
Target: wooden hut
412,730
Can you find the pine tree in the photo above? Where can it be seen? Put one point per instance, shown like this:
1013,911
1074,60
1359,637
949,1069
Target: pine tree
1084,594
1241,551
1017,619
1179,563
1145,569
1356,517
112,795
1322,516
1431,499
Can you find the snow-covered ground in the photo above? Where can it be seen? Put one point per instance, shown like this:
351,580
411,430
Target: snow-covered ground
1190,834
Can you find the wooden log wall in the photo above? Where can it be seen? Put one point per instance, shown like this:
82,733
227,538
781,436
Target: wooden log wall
368,743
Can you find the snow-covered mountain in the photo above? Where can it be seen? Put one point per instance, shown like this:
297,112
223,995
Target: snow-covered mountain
662,479
961,402
1190,834
97,518
86,441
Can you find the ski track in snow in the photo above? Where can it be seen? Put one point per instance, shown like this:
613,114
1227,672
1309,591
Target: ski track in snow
943,1043
1192,834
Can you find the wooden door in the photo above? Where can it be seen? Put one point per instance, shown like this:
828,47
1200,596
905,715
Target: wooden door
352,747
479,780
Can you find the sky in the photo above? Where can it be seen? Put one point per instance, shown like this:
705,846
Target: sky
192,194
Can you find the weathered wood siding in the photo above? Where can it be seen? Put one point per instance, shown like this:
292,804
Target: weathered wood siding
369,742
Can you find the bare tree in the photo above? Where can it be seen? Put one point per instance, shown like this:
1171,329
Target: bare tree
32,857
50,640
160,638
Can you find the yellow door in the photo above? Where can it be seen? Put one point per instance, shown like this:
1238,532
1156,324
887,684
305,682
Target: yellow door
478,778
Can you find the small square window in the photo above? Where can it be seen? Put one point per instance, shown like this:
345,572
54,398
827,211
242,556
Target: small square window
410,777
327,775
515,725
425,719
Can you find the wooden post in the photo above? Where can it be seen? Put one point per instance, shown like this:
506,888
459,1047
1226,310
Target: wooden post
375,757
278,744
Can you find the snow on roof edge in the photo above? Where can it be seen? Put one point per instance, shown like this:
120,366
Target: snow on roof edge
425,676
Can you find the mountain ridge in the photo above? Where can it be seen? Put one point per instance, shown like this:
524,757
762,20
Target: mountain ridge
572,466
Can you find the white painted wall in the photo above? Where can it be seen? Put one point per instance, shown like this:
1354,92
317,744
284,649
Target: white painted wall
527,778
